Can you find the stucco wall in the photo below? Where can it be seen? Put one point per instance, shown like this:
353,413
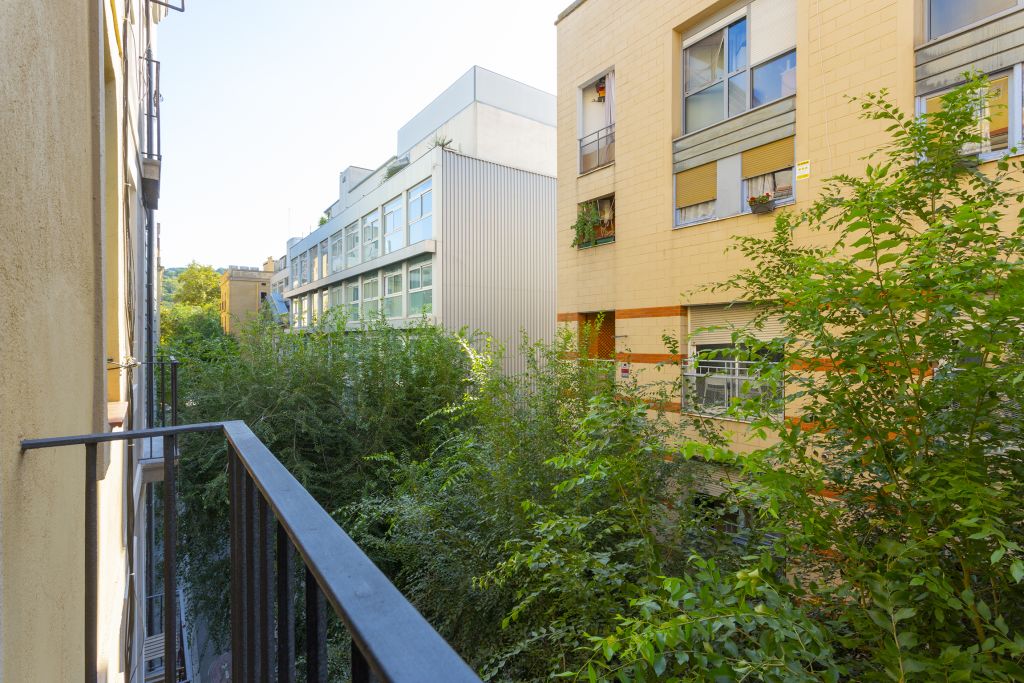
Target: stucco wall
50,348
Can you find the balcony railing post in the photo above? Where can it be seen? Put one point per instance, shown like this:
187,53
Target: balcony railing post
285,609
237,572
252,660
360,669
316,632
266,614
174,392
170,559
91,562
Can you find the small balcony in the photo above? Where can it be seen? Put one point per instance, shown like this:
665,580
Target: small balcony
597,149
713,386
282,545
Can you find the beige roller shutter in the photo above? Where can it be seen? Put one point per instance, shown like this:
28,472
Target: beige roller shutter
727,318
697,185
767,158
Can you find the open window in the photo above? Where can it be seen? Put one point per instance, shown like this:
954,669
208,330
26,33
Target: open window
994,114
596,222
597,123
720,375
768,173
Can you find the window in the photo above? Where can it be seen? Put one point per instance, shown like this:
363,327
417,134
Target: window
314,262
604,231
946,16
597,120
371,235
352,245
394,225
421,224
352,299
325,301
696,191
994,115
768,169
393,293
371,296
298,314
724,75
324,259
337,296
304,267
337,252
421,284
720,375
295,272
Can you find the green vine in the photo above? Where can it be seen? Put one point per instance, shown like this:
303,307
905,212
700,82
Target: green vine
585,227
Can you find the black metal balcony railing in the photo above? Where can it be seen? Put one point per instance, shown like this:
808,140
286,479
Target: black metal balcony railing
274,521
597,149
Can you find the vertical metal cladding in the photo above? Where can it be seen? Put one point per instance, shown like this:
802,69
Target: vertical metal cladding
497,239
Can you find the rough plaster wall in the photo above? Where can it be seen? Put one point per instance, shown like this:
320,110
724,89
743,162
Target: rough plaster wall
49,340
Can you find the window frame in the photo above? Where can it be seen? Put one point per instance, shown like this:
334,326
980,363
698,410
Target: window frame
386,294
926,13
1015,112
374,223
396,205
426,264
410,198
745,192
351,229
337,251
325,260
723,27
609,239
690,368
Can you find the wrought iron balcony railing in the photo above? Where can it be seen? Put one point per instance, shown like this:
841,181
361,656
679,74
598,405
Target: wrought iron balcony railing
275,522
597,149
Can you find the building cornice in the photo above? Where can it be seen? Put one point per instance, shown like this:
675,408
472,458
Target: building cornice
569,10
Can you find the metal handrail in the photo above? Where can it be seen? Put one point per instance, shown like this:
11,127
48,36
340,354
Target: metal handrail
270,507
601,141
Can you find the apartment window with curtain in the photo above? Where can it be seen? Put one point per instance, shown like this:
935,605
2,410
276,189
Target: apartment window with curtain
746,61
947,16
371,235
768,169
371,296
393,293
696,191
421,220
421,288
597,123
352,299
999,114
337,251
604,231
394,225
324,259
352,245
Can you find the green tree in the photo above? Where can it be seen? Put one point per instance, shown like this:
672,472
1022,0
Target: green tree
198,285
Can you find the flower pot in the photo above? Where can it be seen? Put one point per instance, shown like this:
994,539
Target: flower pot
762,207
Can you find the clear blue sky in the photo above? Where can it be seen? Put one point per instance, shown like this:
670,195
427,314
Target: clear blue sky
265,101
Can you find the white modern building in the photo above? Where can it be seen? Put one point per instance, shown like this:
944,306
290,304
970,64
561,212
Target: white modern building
458,227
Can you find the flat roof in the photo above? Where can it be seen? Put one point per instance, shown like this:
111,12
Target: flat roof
569,10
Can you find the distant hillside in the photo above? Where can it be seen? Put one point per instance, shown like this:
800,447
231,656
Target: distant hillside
170,282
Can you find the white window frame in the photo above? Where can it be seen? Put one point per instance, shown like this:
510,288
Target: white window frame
314,263
926,12
350,230
376,300
346,289
325,260
745,193
389,209
724,25
371,221
419,198
387,294
735,374
337,251
410,290
1015,102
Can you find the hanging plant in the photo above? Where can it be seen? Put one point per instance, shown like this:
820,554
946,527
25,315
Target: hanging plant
587,221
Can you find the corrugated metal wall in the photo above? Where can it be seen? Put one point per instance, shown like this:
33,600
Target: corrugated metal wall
496,252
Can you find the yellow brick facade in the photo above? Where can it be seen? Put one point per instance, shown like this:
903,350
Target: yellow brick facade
843,48
242,292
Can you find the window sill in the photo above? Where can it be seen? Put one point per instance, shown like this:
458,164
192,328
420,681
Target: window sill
712,219
598,243
596,169
724,417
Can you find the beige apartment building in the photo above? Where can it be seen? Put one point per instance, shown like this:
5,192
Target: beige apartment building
672,114
243,291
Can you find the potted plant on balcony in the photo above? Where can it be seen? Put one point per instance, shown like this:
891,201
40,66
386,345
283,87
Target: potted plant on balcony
762,203
585,228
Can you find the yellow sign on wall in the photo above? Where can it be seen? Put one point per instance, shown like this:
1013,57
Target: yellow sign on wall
803,170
